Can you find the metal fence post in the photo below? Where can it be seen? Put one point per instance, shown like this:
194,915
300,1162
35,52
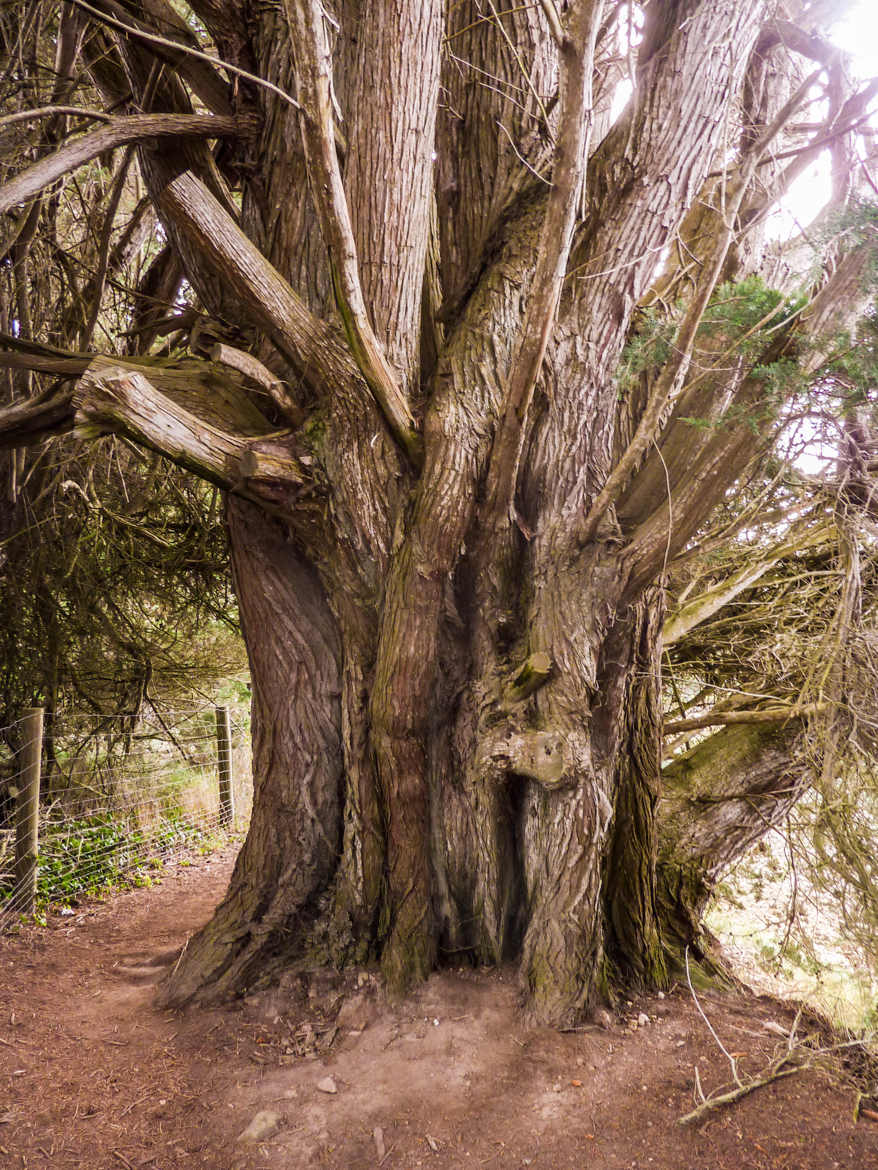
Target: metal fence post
224,764
27,810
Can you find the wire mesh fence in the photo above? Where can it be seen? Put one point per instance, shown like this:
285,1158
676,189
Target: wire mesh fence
89,802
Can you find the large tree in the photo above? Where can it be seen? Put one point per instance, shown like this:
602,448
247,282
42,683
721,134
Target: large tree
475,358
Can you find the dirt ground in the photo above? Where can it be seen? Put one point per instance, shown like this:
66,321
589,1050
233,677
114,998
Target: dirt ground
94,1075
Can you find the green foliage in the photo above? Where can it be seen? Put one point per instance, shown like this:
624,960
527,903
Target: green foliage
854,223
111,602
739,328
90,855
750,311
648,347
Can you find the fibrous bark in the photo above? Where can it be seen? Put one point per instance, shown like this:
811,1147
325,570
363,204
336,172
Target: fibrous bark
450,522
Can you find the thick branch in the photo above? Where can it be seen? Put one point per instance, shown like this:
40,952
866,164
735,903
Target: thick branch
576,58
671,379
717,801
28,422
766,715
314,71
253,369
706,604
111,398
265,297
119,398
119,132
192,414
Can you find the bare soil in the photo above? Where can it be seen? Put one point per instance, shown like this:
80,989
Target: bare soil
95,1075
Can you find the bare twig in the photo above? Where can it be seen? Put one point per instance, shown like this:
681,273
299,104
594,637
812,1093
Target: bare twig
51,112
774,1073
767,715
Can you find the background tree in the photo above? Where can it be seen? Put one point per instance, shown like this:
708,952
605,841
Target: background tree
451,323
112,559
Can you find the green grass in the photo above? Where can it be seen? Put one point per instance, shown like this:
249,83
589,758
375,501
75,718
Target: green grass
92,855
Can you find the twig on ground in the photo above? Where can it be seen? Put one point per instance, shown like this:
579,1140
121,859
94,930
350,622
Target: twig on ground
774,1072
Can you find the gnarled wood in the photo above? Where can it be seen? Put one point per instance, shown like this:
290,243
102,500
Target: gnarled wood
456,650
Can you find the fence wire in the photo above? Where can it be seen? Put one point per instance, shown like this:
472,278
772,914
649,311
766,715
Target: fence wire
119,798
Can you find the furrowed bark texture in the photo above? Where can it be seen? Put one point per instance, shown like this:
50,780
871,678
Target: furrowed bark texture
516,840
290,853
426,287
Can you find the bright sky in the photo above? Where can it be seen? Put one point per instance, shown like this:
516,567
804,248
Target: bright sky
857,34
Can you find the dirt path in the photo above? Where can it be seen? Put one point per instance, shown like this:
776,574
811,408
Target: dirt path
94,1076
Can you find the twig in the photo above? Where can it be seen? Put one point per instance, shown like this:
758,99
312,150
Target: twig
134,1104
701,1012
51,112
775,1073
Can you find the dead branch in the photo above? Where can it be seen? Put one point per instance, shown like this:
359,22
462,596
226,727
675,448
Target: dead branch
118,132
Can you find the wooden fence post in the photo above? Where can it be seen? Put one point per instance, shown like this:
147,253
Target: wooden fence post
27,810
224,763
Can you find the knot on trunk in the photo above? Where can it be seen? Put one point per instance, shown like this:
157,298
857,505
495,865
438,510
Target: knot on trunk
543,756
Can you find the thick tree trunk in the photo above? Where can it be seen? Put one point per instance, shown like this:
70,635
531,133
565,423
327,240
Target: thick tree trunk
292,846
454,612
540,838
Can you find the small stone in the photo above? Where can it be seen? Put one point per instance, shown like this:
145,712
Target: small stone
433,1144
661,994
378,1136
263,1125
327,1085
643,1019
